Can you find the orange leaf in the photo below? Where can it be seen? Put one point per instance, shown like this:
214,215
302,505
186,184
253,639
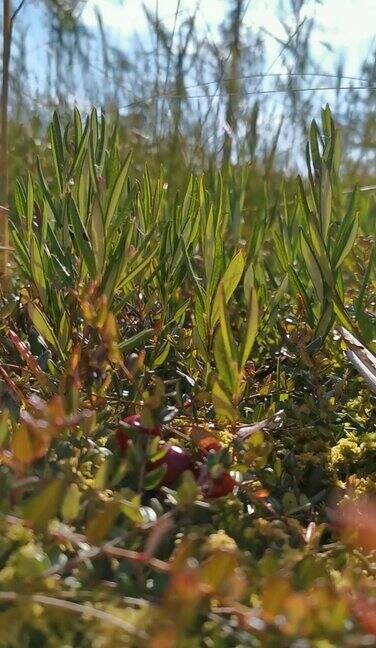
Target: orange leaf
28,445
365,611
357,520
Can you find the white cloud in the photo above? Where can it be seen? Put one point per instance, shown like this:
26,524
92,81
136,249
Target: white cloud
347,25
125,17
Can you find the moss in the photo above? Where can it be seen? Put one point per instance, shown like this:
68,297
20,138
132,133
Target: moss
354,453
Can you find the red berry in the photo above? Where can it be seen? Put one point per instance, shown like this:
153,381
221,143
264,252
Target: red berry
134,421
122,442
220,486
176,461
207,444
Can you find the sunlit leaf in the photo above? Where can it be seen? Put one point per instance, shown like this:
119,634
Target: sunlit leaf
43,326
42,507
222,404
217,570
100,525
117,189
71,503
229,281
188,489
81,240
250,332
154,477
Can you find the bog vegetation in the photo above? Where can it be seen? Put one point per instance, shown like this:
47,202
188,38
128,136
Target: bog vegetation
187,454
187,368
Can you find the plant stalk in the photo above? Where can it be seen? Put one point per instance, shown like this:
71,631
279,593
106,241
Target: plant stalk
7,43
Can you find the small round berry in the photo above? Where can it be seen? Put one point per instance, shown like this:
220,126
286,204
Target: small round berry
220,486
134,421
176,461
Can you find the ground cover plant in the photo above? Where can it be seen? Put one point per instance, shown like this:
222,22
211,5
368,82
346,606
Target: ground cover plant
187,439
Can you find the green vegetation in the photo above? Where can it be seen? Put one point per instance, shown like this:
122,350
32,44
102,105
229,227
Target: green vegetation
135,317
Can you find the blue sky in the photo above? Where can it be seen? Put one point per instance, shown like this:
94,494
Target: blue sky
348,26
345,29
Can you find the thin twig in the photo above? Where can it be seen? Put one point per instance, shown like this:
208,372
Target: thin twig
17,11
78,608
64,534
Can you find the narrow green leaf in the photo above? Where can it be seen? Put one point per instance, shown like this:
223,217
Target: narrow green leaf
64,331
188,490
230,281
21,255
227,337
81,241
102,143
225,370
359,304
303,199
30,208
325,202
251,328
116,264
320,251
132,510
41,508
341,312
101,478
314,137
249,280
162,356
347,230
81,150
134,271
326,321
200,319
100,525
57,150
312,266
300,289
133,342
117,189
199,291
70,507
77,126
98,236
42,326
154,477
222,404
346,241
45,190
38,270
4,427
280,251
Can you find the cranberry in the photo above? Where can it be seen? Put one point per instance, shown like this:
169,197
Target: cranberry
176,461
122,442
134,421
207,444
220,486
